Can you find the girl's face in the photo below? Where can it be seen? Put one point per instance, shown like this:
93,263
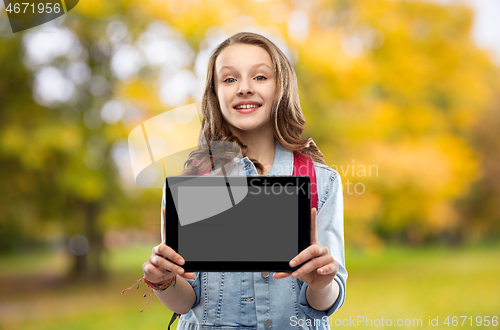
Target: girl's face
245,85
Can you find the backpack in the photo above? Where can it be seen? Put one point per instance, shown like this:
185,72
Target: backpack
302,165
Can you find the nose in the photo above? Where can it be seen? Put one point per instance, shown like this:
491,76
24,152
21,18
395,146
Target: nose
245,87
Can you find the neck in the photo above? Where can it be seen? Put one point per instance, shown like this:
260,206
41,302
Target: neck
260,146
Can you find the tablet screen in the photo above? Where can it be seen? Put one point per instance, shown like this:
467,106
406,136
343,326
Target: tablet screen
241,219
259,228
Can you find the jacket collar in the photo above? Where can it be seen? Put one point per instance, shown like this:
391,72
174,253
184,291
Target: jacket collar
283,160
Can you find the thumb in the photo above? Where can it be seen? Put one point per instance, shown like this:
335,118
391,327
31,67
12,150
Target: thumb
314,234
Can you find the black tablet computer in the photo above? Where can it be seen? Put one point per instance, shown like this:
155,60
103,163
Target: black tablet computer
238,223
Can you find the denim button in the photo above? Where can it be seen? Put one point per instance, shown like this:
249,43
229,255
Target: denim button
265,274
268,323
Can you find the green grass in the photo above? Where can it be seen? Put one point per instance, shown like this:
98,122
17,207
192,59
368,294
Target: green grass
401,283
395,283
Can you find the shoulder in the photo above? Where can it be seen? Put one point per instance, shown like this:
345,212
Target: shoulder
328,183
325,172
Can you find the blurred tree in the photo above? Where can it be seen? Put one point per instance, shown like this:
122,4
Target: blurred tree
398,85
480,209
58,158
15,94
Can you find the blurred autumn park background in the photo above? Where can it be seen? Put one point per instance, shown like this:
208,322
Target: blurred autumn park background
397,95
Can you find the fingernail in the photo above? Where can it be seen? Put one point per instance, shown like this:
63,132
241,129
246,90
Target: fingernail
294,275
292,263
180,261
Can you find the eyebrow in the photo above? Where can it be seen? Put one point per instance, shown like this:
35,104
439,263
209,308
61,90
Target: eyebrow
253,66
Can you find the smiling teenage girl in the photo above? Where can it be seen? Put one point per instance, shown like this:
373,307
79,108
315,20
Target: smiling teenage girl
251,98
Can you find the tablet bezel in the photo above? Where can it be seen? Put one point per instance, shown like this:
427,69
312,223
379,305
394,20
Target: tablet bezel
304,230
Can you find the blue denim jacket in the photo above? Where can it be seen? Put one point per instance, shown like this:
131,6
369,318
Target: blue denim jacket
246,300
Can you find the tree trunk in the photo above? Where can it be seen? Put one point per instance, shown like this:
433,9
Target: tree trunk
89,267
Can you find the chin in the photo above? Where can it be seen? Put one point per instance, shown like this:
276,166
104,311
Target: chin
247,127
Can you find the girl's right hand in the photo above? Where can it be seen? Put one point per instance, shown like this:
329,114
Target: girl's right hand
158,269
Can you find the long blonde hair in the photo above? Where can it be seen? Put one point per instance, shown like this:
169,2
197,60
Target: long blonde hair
287,118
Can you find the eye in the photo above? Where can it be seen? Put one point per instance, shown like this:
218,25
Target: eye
260,78
229,80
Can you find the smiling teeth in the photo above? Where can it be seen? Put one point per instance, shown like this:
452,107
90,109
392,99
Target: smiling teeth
247,106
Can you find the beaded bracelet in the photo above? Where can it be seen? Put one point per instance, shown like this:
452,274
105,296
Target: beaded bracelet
159,287
162,286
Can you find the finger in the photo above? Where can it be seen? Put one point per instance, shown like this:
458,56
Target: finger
310,252
163,229
331,268
314,234
189,275
149,269
280,275
313,265
165,264
166,251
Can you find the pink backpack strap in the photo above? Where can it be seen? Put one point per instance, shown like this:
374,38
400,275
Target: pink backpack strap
205,172
303,165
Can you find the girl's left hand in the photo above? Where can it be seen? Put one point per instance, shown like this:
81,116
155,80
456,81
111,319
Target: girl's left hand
321,268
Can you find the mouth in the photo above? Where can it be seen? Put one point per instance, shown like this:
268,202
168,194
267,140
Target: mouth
247,106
